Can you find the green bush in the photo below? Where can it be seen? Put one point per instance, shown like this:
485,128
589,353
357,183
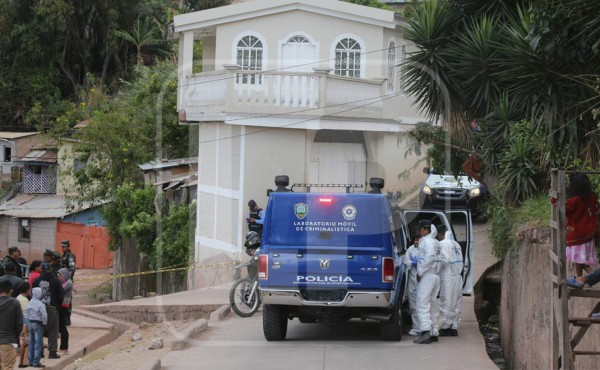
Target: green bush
506,221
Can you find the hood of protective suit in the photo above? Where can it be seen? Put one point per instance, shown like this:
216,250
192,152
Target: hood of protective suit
433,233
36,293
449,235
65,273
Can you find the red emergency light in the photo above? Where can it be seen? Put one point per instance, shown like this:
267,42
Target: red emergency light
325,200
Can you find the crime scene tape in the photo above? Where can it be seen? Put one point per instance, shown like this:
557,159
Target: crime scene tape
166,269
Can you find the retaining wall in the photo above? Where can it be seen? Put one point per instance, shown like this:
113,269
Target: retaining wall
525,311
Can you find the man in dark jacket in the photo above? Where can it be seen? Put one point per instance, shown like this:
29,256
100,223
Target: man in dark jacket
52,297
68,261
11,259
11,325
11,276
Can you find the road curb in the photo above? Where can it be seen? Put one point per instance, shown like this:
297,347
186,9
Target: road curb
221,313
120,325
151,365
195,329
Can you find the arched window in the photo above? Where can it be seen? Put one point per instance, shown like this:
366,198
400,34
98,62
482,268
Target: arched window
298,54
403,69
249,58
391,67
298,40
347,58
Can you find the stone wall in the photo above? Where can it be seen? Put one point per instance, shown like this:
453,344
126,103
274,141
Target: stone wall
525,312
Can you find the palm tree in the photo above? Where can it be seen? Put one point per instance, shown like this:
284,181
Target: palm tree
498,63
142,35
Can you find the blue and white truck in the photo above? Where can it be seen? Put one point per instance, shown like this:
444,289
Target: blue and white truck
332,257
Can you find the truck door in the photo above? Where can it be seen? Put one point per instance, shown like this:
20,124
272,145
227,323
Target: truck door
459,222
462,228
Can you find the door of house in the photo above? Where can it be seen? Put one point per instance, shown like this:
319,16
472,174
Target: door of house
298,56
338,163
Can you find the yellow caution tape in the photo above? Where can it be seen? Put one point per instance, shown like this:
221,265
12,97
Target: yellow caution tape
166,269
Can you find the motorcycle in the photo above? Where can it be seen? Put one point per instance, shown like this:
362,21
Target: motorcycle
244,295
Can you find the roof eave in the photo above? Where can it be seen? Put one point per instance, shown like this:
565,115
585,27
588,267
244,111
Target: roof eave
192,21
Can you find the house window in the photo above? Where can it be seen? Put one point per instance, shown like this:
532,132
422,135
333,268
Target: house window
347,58
403,68
249,58
7,154
391,67
24,229
37,170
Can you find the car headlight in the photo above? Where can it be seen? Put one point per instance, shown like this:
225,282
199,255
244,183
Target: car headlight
475,192
427,190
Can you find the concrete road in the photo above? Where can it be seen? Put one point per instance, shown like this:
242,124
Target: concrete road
238,343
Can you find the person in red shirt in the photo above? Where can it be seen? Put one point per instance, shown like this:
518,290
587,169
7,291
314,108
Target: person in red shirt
582,223
34,271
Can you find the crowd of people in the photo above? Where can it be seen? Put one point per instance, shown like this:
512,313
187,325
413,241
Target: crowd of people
35,301
435,267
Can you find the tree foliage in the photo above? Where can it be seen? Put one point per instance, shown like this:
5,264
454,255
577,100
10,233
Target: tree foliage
371,3
492,71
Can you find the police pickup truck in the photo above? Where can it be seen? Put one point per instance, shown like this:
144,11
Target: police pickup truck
332,257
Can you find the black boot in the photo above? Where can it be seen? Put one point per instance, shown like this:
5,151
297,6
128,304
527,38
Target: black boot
446,332
454,332
424,338
53,355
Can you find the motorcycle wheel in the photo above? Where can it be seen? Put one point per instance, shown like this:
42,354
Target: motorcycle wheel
241,302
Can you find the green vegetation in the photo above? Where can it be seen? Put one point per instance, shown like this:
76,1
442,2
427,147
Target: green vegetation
515,84
371,3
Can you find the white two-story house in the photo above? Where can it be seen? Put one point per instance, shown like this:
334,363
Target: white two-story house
312,89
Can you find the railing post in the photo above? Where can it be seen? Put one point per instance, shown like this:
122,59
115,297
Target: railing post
322,73
230,95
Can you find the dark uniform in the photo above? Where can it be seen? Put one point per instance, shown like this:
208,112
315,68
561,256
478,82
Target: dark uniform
69,262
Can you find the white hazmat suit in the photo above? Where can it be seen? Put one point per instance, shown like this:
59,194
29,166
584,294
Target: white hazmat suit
428,267
451,282
410,259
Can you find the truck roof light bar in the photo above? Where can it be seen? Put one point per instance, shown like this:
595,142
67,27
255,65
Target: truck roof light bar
347,186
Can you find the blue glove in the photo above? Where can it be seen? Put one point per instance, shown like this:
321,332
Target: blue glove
413,261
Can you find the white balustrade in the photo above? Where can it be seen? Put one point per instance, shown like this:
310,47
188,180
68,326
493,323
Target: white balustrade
354,94
213,93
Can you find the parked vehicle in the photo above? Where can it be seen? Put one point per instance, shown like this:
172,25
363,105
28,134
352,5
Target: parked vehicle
244,294
332,257
443,190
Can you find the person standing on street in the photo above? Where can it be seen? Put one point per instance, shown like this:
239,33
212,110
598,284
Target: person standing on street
24,302
410,261
38,318
450,282
63,311
68,260
52,297
256,217
428,268
11,325
11,259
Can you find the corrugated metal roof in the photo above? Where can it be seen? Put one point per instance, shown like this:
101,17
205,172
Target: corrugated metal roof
37,155
37,206
15,135
169,163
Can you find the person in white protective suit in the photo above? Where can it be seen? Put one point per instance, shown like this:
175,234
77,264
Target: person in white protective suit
429,264
450,283
410,261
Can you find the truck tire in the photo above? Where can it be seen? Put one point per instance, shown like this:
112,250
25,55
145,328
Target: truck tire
391,330
274,322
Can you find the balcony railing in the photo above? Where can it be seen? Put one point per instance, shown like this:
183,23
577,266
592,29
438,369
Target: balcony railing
214,95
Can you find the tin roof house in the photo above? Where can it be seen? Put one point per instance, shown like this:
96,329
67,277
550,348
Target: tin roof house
313,89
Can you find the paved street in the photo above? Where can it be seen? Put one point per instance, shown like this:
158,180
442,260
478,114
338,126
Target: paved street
239,343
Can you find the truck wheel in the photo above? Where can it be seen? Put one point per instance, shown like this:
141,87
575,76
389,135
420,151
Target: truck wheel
274,322
391,330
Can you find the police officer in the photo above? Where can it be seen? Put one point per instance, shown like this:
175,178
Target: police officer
256,217
428,268
68,260
11,259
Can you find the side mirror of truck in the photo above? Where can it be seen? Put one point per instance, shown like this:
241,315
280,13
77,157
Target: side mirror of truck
269,191
426,170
